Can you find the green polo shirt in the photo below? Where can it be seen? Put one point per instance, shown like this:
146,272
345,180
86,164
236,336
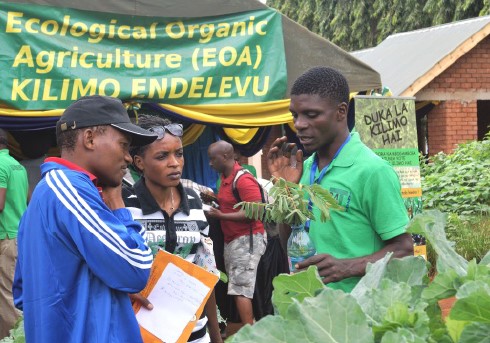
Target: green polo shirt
369,189
13,177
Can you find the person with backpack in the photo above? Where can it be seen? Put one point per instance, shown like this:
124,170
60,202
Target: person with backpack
245,240
246,167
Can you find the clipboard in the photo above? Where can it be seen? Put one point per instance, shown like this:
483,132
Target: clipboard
160,262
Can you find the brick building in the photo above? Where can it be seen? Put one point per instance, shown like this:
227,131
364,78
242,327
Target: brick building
447,69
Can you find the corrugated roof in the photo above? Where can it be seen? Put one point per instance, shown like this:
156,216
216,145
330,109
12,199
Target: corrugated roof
408,61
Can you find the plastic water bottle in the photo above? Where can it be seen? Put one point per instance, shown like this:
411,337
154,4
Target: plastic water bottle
300,247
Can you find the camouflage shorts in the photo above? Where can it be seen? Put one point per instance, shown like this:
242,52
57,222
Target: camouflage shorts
241,266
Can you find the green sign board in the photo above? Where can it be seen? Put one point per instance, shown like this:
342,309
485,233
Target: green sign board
51,56
388,126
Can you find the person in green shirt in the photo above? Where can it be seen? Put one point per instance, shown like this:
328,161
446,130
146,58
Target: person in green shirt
375,217
14,193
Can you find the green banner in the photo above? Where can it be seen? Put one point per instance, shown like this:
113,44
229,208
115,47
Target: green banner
51,56
388,126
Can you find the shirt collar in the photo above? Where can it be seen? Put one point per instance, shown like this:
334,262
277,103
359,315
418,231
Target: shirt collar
348,154
72,166
148,203
229,179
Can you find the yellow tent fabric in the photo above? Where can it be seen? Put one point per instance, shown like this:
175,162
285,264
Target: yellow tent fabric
228,115
240,120
243,115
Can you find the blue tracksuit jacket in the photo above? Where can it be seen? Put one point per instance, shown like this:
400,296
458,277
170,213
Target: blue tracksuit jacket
77,262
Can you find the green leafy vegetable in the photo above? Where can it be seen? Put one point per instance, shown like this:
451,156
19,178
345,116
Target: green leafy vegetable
295,286
393,302
331,317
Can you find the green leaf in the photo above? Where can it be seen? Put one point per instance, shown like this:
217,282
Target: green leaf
223,277
443,286
486,259
298,286
402,336
289,204
468,288
268,330
431,225
478,271
436,324
475,333
410,269
390,307
378,301
440,336
332,317
398,303
455,328
475,307
374,273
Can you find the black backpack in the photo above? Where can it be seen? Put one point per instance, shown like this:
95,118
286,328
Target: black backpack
241,172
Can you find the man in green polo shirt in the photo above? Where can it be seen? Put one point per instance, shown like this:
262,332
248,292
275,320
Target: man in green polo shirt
13,202
375,217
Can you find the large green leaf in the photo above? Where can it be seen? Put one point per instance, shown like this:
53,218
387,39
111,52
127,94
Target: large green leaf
374,274
410,269
298,286
377,301
393,302
268,330
431,225
391,307
402,336
443,286
474,307
468,288
331,317
475,333
478,272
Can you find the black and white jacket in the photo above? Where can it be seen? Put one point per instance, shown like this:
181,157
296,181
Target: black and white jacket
187,231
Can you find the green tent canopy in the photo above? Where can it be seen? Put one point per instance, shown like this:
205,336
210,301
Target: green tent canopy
303,48
297,50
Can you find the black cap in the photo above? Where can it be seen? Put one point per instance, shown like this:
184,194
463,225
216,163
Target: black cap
95,110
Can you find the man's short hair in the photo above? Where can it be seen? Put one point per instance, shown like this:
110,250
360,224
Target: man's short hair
324,81
67,140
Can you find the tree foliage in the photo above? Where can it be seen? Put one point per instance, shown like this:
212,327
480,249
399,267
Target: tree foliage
288,203
359,24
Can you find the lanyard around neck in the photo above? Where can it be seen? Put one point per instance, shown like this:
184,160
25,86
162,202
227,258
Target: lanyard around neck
314,167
